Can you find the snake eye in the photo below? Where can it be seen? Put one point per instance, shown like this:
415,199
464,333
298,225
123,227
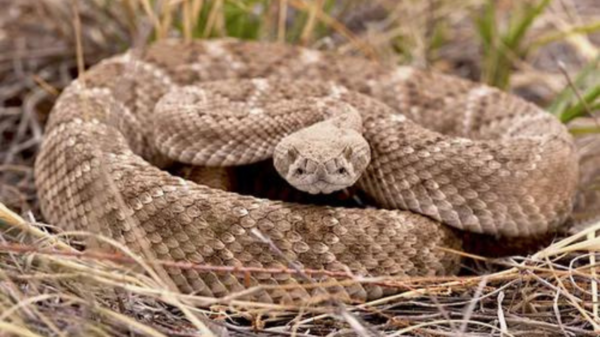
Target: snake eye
341,170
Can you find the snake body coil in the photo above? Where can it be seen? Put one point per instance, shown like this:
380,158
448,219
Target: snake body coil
443,151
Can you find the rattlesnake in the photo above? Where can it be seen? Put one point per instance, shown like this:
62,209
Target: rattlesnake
444,150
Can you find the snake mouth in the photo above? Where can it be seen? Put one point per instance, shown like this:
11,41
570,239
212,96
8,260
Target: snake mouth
320,187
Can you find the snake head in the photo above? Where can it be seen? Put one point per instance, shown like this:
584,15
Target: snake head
322,161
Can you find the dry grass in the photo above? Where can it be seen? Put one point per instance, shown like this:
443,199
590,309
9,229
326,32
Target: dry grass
49,288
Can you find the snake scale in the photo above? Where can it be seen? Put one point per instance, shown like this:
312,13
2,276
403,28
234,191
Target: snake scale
443,151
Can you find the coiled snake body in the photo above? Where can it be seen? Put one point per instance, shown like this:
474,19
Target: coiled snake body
443,150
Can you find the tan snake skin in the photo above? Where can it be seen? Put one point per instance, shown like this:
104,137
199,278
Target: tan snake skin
486,162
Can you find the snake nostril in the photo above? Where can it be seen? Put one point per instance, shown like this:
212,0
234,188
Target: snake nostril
342,170
299,171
